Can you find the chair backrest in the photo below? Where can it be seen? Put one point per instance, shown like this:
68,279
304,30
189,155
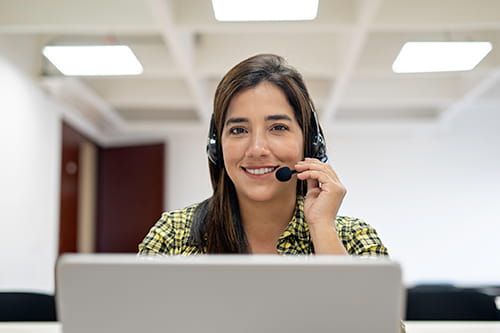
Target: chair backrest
27,306
449,303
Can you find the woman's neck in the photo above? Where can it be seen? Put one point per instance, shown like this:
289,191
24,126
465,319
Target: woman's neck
264,222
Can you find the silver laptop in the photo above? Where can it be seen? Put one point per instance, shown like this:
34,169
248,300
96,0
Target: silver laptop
228,294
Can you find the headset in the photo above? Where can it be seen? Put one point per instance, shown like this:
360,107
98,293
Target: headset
317,145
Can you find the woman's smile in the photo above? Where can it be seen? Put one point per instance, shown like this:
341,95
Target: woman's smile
259,171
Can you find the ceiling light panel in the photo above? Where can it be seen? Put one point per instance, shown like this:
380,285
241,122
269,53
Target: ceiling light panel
420,57
265,10
94,60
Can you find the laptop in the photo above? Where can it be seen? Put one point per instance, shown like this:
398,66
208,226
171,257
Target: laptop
228,294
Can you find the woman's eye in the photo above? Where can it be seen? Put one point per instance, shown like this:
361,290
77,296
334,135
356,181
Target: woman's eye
237,130
279,128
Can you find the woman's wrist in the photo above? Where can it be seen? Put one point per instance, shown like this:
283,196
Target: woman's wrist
326,239
321,226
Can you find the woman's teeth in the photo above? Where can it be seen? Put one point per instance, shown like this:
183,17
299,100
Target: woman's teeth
260,171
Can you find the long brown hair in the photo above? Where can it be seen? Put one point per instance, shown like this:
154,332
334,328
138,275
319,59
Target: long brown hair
217,224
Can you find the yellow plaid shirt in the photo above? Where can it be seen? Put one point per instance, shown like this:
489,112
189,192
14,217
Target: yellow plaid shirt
171,235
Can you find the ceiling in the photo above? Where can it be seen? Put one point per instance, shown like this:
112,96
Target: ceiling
345,56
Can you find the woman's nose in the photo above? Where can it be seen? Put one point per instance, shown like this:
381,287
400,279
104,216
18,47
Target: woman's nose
258,145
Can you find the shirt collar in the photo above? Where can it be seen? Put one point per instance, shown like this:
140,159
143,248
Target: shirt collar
298,226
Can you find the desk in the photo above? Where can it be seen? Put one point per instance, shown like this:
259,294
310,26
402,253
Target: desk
34,327
452,326
411,327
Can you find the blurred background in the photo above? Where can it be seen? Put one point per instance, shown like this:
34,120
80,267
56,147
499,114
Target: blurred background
90,162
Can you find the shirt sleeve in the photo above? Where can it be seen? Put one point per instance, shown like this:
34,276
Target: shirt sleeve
160,238
359,238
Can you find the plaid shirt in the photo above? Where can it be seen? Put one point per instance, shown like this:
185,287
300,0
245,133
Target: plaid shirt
171,235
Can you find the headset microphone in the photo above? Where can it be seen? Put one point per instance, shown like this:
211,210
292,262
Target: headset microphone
284,174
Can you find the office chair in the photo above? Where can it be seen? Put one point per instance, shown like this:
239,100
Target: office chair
449,303
27,306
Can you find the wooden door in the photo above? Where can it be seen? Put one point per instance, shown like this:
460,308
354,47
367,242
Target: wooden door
130,195
70,168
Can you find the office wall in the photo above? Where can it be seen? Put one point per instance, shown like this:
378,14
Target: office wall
433,197
29,182
187,170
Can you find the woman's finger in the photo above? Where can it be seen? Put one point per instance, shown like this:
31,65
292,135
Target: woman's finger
319,176
314,164
312,185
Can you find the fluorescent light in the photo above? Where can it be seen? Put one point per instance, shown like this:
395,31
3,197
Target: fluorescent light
419,57
94,60
265,10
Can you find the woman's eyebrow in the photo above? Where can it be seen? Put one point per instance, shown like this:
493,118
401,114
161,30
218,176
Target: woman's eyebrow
236,120
271,117
279,117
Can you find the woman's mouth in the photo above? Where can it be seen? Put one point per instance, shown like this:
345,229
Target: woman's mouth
259,171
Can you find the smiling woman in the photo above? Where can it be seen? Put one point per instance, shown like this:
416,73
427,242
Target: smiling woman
264,120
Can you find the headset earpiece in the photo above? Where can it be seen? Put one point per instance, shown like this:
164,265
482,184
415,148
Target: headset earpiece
318,145
212,151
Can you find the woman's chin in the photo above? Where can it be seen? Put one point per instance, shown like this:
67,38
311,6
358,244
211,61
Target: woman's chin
265,195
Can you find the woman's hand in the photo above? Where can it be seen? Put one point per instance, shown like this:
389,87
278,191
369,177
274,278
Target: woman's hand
324,196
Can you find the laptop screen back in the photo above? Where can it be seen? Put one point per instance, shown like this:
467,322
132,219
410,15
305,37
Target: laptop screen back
238,293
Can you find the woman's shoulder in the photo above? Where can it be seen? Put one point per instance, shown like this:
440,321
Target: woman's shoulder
350,222
176,220
170,234
181,216
359,237
353,225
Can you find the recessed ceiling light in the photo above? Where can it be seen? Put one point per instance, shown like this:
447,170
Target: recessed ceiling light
94,60
265,10
419,57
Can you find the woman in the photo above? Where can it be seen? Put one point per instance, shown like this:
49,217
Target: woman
264,120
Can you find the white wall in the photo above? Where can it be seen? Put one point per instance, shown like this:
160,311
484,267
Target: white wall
433,198
187,175
29,182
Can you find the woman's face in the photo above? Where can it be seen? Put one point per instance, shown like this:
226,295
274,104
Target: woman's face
260,135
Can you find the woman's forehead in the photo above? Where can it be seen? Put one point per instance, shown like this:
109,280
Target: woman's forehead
260,101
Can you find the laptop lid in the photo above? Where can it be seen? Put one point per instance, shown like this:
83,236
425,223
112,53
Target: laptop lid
235,293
